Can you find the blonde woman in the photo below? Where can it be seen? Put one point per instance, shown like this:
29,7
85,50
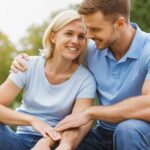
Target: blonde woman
55,85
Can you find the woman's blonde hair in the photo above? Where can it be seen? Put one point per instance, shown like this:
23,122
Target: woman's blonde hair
57,23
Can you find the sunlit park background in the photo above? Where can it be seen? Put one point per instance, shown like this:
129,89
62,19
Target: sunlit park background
22,26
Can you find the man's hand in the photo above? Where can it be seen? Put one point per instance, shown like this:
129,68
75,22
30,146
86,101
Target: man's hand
73,121
45,129
19,64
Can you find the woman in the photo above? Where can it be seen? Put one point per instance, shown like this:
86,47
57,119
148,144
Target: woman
55,85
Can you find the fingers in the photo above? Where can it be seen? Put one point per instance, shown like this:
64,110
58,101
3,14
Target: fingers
54,134
51,132
25,56
45,129
13,69
19,63
43,133
18,66
64,125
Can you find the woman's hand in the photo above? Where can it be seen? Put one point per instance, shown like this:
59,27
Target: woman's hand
45,129
19,64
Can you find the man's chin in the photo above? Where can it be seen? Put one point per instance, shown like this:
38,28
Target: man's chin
100,48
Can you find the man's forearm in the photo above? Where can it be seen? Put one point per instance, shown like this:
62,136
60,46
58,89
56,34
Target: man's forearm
132,108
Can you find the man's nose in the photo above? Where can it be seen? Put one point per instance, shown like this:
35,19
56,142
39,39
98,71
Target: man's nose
90,34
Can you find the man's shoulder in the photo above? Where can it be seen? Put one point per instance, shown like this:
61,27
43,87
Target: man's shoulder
84,71
146,44
147,38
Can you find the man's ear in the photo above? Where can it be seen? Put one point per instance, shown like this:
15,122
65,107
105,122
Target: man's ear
120,22
52,37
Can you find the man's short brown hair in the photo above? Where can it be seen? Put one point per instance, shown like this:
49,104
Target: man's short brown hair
109,8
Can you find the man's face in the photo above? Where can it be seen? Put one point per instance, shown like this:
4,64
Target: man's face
101,30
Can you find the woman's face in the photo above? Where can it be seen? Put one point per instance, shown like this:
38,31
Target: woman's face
70,40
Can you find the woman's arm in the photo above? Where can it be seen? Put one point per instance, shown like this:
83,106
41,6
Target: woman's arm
44,143
137,107
70,138
8,92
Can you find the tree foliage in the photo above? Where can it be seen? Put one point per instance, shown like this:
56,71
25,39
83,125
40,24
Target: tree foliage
7,50
32,41
139,13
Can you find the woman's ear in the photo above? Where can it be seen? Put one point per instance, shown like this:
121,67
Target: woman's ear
52,37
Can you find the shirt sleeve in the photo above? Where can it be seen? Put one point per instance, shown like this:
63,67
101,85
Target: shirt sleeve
148,70
22,79
18,78
88,88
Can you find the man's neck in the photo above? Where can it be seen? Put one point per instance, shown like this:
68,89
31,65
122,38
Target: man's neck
123,44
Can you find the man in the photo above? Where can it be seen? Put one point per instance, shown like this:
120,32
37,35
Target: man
120,62
119,59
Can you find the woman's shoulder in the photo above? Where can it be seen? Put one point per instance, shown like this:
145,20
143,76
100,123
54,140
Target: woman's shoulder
83,70
34,61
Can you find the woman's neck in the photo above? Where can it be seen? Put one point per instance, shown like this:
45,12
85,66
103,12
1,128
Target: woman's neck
58,71
58,66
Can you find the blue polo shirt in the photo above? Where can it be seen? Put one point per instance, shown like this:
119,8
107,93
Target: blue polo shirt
119,80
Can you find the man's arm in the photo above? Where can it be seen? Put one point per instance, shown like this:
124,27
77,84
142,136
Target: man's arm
131,108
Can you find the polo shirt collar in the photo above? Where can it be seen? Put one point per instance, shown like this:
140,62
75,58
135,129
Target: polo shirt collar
135,48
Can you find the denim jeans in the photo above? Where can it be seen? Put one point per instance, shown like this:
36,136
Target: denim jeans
128,135
9,140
